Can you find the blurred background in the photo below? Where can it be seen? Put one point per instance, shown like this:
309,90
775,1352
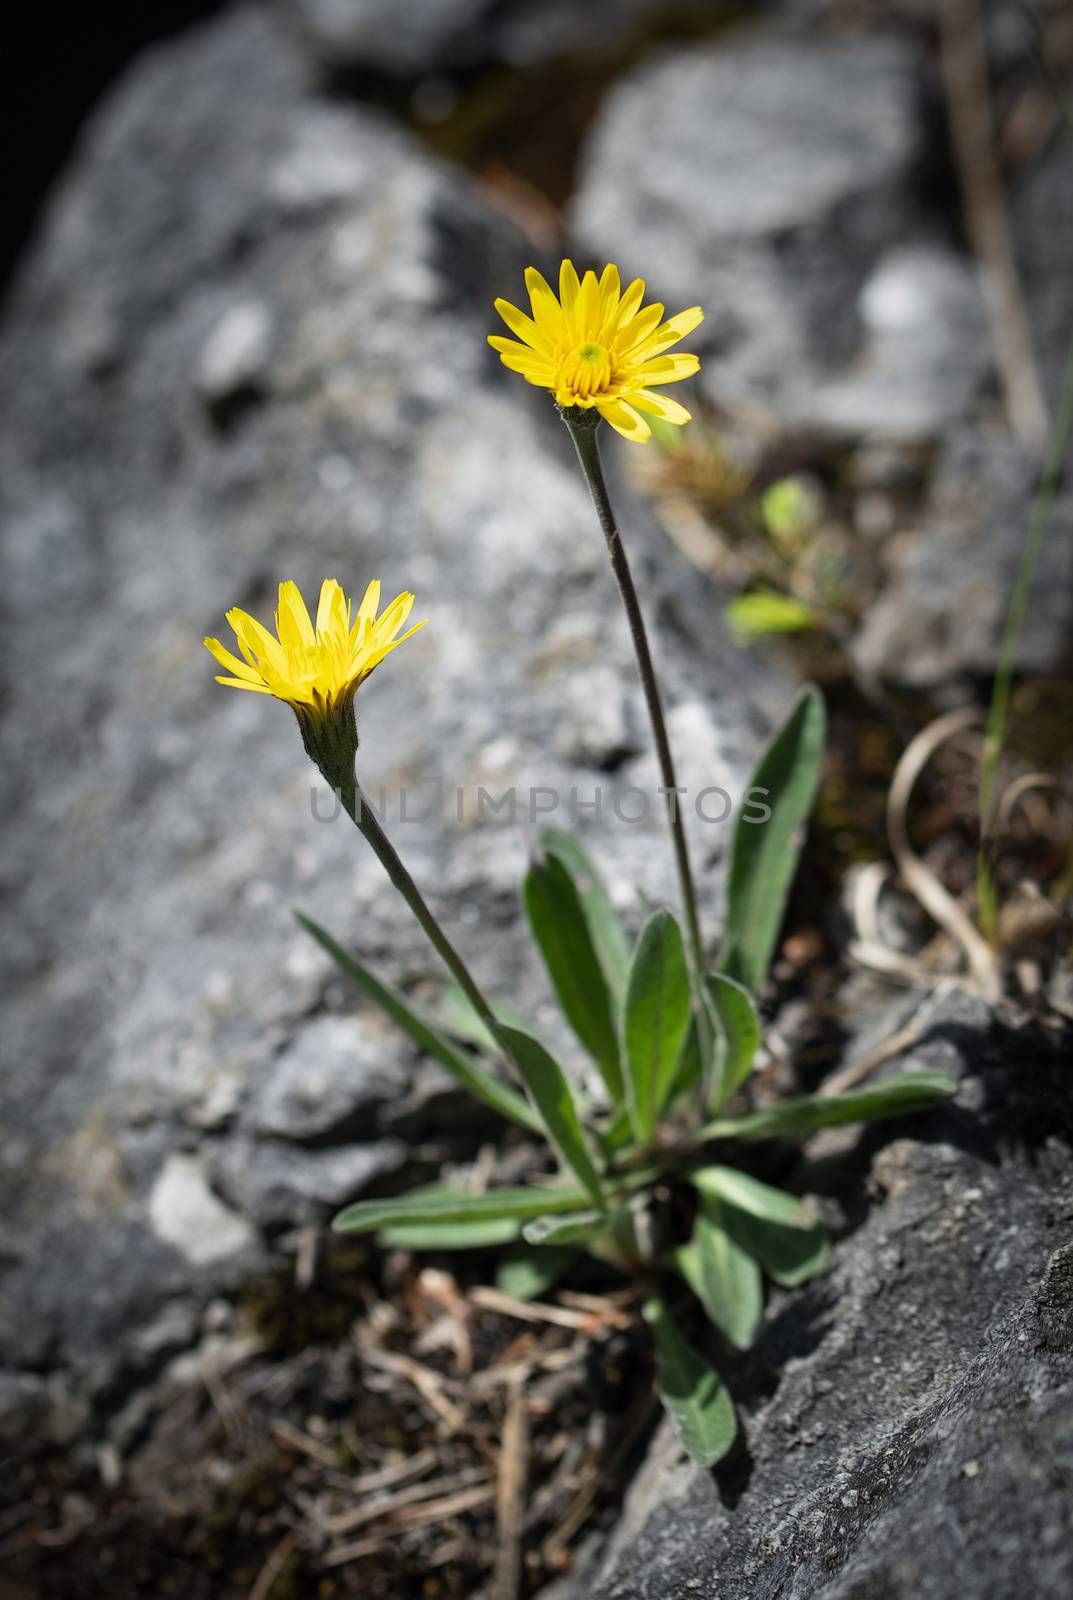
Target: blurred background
248,256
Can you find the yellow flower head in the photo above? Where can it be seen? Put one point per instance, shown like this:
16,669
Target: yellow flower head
313,669
595,347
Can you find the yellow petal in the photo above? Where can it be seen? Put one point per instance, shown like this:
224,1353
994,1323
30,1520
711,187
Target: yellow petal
636,332
327,603
240,683
667,369
625,420
673,329
519,358
569,288
660,405
240,669
524,327
610,290
587,316
293,616
630,303
546,310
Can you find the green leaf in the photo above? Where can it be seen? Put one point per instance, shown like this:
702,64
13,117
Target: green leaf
764,854
476,1235
457,1017
656,1018
439,1205
763,611
725,1278
616,1134
574,1228
897,1097
470,1073
789,1254
605,925
749,1194
544,1079
527,1271
739,1036
692,1391
561,929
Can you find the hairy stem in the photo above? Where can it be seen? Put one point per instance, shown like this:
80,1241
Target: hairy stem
362,813
588,454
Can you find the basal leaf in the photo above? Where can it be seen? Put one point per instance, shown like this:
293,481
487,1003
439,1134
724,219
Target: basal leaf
725,1278
764,854
547,1085
476,1235
749,1194
656,1018
438,1205
456,1016
469,1072
738,1036
527,1271
692,1391
788,1253
897,1097
562,932
605,925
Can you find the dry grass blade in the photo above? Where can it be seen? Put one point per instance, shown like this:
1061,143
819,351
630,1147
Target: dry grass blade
273,1567
559,1316
293,1438
919,879
510,1496
963,58
391,1504
429,1384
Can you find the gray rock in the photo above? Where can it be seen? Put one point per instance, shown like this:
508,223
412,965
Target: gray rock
158,1052
185,1214
276,1185
406,38
1041,221
775,182
335,1074
234,358
950,579
907,1420
414,38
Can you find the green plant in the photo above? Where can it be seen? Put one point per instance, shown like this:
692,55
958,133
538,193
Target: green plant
649,1181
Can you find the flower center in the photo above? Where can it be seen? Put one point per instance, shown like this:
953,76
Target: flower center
585,371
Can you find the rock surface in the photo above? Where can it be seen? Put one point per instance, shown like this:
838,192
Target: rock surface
414,38
768,178
908,1419
943,610
172,1029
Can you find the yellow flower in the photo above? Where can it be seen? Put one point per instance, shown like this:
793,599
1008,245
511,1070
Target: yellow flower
313,669
595,347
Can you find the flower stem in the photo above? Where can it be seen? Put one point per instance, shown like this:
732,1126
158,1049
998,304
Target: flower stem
588,454
363,815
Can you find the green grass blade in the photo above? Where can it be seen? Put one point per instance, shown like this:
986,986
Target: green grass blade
547,1085
691,1390
656,1018
469,1072
764,855
564,938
